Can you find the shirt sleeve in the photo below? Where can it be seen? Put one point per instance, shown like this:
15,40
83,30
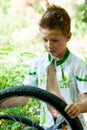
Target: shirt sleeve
81,78
31,77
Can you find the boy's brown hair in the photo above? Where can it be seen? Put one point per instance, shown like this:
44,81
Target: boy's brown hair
56,17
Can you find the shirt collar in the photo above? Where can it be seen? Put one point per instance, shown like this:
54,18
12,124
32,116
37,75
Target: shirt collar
58,62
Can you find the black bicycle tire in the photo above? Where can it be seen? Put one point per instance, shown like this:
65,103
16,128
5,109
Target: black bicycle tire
44,95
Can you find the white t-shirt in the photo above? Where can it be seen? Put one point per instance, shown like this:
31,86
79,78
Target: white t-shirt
71,77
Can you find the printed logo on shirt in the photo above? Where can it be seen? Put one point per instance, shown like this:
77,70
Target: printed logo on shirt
64,84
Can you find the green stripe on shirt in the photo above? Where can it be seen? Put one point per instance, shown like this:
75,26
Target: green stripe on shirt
32,73
81,79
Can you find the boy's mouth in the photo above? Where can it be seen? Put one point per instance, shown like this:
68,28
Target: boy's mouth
51,51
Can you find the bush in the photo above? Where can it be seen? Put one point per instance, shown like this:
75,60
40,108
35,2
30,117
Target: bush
81,20
13,67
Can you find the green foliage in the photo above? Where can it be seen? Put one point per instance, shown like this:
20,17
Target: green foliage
4,5
80,28
83,9
39,9
13,67
81,20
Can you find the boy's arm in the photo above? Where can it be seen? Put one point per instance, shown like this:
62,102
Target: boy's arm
14,102
83,104
74,109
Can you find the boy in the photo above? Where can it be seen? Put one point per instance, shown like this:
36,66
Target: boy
71,73
58,70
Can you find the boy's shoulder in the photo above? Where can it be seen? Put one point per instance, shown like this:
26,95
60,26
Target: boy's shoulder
41,58
75,59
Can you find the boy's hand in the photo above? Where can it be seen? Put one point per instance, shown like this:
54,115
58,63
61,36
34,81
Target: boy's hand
72,110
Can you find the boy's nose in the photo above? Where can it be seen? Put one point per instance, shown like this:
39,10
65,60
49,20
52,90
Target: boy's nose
49,44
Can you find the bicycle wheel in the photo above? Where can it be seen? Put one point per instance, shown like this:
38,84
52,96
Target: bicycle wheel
43,95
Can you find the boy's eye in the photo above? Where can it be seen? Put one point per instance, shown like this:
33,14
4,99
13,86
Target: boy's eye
54,40
45,40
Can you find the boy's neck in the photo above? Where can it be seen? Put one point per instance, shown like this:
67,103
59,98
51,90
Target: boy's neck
61,56
60,61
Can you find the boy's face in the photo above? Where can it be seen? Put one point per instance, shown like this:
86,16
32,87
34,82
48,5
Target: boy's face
55,42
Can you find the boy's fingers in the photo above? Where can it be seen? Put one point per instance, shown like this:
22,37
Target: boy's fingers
68,107
72,110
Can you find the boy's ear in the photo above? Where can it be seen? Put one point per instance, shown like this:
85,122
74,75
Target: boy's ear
68,36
